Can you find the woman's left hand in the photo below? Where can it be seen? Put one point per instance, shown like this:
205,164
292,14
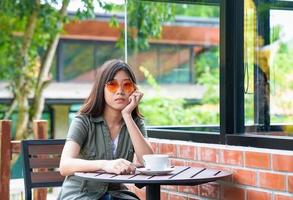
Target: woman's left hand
134,100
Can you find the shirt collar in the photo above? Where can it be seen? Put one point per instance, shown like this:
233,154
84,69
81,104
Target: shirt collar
101,119
97,119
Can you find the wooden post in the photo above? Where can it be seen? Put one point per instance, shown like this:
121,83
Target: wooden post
5,158
40,128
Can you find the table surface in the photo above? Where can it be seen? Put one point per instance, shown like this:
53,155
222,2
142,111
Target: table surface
180,175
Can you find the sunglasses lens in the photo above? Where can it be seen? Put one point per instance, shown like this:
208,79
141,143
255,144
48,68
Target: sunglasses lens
112,86
128,87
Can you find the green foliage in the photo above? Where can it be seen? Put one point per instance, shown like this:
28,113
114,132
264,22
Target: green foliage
207,66
282,84
160,110
114,22
3,109
275,33
283,63
150,79
207,70
165,111
29,31
145,19
88,10
197,10
144,22
249,108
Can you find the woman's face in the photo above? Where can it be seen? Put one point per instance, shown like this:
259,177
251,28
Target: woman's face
118,90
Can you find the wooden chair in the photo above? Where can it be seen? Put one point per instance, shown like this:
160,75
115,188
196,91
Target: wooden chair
41,160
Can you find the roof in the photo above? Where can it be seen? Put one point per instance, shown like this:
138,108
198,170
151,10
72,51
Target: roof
184,30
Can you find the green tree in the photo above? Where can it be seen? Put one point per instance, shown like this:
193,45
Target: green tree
144,22
30,31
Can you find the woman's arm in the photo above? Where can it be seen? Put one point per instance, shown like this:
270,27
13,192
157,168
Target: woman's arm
70,163
141,146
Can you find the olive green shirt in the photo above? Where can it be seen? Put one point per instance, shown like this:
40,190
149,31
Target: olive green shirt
92,135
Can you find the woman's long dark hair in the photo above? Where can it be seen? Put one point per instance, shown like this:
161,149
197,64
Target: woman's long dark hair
95,103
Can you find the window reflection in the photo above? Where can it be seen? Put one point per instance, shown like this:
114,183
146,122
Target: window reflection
268,69
78,61
282,72
177,64
180,75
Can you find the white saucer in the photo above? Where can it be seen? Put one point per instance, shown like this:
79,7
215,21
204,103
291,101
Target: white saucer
154,172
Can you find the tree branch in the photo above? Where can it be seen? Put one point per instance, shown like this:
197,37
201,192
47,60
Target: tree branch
29,32
43,76
11,109
50,51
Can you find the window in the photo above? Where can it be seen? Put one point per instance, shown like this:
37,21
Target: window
268,69
78,61
196,88
179,70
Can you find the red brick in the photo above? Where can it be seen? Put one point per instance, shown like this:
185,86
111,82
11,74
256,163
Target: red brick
187,151
155,147
257,160
246,177
196,164
283,163
177,197
164,196
189,189
232,193
192,198
283,197
209,190
178,162
169,149
259,195
209,155
232,157
290,184
272,181
140,193
170,187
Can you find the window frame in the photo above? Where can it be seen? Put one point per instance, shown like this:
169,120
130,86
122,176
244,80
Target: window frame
232,123
232,127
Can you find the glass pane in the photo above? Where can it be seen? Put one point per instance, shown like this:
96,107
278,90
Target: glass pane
250,39
268,69
78,65
88,44
80,59
175,58
178,70
106,51
53,70
281,67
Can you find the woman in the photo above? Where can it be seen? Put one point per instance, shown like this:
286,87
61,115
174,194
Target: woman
105,134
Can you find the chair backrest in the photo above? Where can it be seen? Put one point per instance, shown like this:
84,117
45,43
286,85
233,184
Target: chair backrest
41,162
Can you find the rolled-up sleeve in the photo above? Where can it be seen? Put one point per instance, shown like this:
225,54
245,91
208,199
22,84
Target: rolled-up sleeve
78,130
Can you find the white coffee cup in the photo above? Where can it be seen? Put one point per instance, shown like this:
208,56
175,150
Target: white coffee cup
156,162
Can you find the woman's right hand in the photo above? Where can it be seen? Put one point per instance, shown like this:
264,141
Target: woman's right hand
119,166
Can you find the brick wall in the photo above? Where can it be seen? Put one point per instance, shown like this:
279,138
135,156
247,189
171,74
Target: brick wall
258,174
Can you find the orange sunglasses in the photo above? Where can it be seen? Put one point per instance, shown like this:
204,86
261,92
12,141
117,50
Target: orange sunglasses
127,86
